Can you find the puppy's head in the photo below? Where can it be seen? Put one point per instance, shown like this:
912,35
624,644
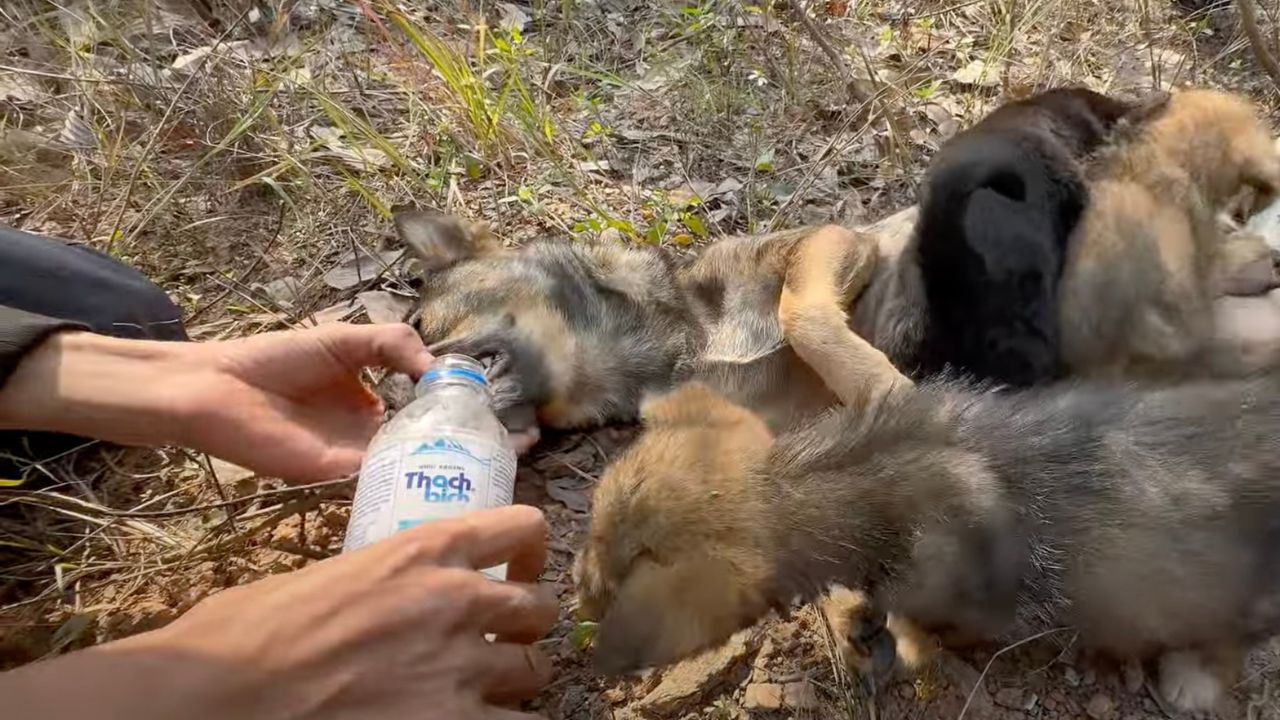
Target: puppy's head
476,301
1230,147
680,552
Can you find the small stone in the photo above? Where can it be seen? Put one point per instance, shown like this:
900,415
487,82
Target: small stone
763,696
1009,697
1090,677
1134,678
957,673
1072,677
693,679
575,696
1030,702
1100,707
800,695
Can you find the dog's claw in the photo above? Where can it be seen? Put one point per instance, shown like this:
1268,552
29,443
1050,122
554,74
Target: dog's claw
876,644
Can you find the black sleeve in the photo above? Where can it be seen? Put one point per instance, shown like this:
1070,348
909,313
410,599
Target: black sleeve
21,332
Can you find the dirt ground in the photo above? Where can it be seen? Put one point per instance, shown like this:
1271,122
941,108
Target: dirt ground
246,158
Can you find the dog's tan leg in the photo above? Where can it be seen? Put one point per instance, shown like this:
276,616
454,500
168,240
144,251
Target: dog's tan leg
872,644
827,271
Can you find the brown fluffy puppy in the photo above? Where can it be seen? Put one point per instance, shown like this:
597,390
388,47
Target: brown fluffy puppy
1142,271
967,514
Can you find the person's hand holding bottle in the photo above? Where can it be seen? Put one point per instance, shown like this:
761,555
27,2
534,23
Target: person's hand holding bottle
392,631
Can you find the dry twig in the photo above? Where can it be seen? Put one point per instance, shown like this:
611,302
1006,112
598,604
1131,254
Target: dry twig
1249,22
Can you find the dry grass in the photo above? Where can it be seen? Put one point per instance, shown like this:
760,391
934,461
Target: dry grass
239,156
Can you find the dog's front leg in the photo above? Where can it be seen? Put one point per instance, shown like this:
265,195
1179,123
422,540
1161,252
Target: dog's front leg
828,270
872,643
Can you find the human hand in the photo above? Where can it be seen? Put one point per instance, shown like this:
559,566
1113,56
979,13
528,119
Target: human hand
292,404
289,404
391,631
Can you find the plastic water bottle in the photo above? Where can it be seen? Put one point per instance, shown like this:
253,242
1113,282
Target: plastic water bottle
443,455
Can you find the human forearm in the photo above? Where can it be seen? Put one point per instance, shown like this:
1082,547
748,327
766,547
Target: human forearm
125,391
126,680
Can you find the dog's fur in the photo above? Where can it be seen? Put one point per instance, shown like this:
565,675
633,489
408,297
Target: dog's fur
972,514
746,290
582,332
1144,266
576,331
999,203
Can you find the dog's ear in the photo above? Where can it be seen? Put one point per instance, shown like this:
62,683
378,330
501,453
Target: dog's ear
1147,108
439,241
665,612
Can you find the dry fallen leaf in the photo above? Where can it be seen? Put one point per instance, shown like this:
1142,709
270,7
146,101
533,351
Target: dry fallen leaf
21,89
978,72
384,307
285,291
513,18
331,314
573,493
355,270
340,148
942,119
229,473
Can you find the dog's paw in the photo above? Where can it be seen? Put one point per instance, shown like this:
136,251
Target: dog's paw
865,644
1187,683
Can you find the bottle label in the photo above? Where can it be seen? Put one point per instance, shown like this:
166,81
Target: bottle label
407,483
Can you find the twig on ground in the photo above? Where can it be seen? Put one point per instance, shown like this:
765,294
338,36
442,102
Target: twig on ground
110,512
977,685
156,136
1249,22
819,37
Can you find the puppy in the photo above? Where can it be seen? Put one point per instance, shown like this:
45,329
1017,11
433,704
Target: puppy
1144,266
1000,201
574,332
969,515
578,333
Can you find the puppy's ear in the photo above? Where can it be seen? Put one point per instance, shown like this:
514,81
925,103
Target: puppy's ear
1147,108
664,613
439,241
1260,170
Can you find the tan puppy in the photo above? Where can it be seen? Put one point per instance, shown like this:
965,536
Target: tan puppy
970,516
1144,266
